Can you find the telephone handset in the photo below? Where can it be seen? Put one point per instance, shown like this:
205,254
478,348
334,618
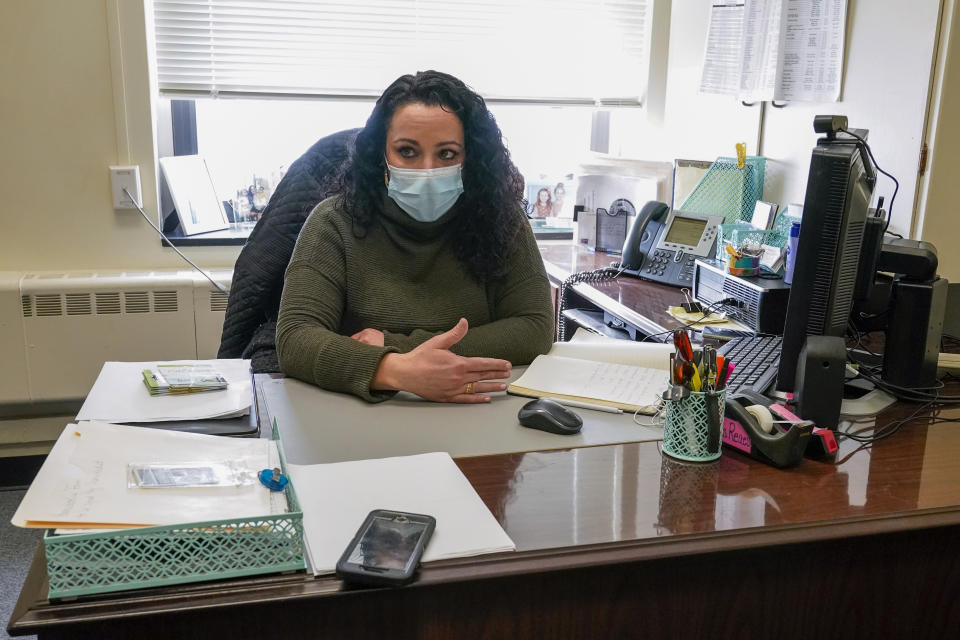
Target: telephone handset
662,245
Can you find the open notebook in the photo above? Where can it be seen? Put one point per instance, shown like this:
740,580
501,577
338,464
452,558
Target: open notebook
617,373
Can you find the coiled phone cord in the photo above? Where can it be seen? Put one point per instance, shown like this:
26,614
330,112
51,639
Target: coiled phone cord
597,275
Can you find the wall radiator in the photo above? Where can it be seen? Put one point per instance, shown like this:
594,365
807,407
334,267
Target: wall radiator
57,329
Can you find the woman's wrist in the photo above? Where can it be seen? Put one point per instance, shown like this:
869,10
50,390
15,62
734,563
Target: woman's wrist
387,375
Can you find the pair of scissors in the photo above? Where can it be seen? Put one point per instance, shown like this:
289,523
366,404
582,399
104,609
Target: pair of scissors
679,374
685,360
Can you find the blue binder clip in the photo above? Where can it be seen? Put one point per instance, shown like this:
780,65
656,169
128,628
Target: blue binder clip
274,480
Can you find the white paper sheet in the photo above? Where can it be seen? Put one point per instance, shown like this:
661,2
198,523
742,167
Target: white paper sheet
722,61
83,481
119,395
761,43
812,35
775,50
585,346
337,497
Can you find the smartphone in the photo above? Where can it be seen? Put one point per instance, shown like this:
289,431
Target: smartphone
386,549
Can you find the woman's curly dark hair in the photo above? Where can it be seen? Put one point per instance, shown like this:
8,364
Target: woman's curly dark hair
492,187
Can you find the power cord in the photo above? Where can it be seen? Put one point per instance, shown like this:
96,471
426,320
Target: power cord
707,310
216,284
896,184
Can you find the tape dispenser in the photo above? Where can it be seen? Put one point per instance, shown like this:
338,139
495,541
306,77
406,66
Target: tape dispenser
750,425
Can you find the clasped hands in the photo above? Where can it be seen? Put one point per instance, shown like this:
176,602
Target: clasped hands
433,372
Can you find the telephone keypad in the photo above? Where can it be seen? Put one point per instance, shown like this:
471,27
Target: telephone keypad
659,261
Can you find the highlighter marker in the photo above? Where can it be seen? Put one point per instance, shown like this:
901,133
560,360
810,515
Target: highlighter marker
730,368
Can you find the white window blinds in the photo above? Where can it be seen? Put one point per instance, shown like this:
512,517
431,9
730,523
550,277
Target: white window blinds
528,50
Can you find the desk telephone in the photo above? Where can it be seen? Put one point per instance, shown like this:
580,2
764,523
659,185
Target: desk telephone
662,245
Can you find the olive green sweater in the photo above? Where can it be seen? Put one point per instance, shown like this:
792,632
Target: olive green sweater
403,279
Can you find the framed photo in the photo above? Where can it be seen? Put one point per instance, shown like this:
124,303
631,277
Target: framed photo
191,188
547,198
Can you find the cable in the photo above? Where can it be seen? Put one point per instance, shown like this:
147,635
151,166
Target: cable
896,184
707,310
597,275
216,285
890,428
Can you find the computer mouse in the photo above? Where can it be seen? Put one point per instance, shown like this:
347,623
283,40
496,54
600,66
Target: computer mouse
550,416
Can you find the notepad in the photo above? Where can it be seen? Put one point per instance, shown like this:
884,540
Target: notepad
628,375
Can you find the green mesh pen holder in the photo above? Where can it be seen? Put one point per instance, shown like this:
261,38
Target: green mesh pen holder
84,564
727,190
687,431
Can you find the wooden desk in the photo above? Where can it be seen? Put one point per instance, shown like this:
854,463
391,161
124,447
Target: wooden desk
618,541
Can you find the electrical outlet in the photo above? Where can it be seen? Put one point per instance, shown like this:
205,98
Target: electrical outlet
126,178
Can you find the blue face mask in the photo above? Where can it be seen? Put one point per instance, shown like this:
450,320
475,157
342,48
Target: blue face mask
425,194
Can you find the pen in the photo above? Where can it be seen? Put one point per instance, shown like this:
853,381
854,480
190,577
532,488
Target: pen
586,405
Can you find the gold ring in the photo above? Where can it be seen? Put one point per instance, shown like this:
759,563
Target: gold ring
469,387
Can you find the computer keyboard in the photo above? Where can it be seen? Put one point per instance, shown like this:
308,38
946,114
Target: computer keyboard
757,360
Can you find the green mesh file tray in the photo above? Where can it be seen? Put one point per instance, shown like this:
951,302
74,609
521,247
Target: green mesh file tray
738,233
728,191
83,564
782,222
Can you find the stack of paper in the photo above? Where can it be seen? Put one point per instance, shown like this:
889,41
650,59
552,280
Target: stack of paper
173,379
118,395
617,373
83,482
337,497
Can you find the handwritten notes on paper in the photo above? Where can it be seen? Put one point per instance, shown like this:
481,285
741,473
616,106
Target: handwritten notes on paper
619,376
776,50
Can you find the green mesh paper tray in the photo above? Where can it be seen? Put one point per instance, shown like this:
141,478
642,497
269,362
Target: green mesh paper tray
84,564
740,232
728,191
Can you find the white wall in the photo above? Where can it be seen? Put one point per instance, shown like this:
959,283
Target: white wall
67,114
695,126
888,66
61,130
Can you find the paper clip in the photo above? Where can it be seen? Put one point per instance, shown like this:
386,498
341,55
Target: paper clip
741,155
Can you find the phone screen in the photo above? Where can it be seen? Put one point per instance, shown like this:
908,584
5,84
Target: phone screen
388,543
686,231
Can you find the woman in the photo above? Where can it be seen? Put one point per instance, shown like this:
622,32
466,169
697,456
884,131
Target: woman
428,233
542,208
559,193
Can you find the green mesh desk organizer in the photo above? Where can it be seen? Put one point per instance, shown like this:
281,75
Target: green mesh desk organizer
84,564
686,428
739,232
728,191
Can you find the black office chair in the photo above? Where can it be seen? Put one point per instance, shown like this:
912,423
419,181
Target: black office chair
249,327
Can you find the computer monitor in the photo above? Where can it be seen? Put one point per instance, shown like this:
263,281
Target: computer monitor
839,189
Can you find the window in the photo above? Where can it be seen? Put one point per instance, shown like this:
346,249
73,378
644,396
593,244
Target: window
295,71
